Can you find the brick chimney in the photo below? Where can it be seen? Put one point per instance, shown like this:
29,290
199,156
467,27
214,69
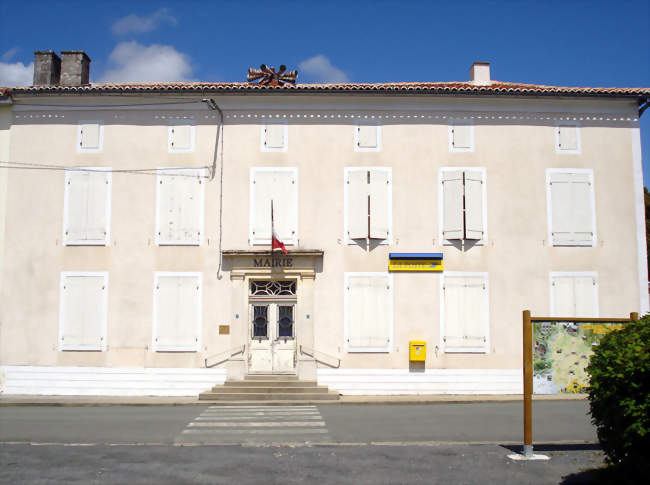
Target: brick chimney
75,68
47,68
479,73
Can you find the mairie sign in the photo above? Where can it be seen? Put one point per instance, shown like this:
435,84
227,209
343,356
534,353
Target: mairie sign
415,262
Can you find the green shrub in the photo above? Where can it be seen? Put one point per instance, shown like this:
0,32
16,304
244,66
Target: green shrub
619,395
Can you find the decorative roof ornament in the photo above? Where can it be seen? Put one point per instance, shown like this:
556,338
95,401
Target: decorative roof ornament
268,77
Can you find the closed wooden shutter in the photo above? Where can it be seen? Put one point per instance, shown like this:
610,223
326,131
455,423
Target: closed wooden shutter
281,186
571,209
473,205
357,192
462,136
181,137
178,309
367,136
452,191
83,313
274,136
563,297
89,136
97,199
369,311
87,199
568,137
77,184
180,207
466,313
586,297
379,190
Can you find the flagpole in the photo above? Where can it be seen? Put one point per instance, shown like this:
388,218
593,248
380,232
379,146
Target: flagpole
272,232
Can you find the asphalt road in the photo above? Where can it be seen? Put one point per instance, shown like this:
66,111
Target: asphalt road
553,422
360,444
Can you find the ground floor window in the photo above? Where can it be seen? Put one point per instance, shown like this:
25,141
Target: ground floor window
83,312
465,312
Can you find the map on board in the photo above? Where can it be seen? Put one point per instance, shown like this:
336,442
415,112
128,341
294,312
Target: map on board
561,353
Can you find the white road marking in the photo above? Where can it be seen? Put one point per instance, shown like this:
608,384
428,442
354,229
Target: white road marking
263,424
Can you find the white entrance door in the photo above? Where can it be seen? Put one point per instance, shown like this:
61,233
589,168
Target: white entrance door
272,347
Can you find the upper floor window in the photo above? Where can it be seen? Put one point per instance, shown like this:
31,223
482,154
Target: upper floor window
462,204
179,206
87,206
571,209
181,136
279,185
367,137
90,136
461,136
567,138
368,203
275,137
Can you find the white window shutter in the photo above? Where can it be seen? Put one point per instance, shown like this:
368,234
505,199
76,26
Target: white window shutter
357,189
561,208
475,312
83,312
367,136
89,135
379,204
274,136
581,214
284,207
454,311
586,297
452,190
167,301
474,187
181,137
189,306
77,184
368,311
168,204
188,192
462,136
568,137
563,291
98,196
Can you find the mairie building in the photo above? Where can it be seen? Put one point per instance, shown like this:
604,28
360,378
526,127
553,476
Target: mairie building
419,220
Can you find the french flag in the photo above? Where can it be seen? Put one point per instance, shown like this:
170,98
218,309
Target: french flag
275,240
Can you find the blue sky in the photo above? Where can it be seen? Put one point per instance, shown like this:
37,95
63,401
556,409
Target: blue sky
572,43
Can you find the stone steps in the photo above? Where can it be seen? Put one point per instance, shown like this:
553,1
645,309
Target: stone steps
270,388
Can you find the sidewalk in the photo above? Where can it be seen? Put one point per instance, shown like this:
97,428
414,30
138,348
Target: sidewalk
32,400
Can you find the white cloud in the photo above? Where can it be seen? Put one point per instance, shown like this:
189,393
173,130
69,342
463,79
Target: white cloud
134,24
131,61
9,54
320,69
16,74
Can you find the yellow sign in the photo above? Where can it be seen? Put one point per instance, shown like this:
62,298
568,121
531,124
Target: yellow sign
602,329
415,265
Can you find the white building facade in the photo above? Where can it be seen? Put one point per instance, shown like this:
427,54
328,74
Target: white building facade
137,231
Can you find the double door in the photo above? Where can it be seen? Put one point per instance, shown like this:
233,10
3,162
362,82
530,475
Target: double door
272,344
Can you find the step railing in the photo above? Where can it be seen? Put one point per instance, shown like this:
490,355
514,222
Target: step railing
225,356
321,357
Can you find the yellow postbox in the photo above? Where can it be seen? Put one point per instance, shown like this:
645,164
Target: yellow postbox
417,351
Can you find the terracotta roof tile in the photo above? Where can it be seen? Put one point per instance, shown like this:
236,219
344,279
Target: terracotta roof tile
440,88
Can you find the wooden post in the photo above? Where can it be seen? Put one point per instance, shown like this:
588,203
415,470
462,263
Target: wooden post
634,316
528,384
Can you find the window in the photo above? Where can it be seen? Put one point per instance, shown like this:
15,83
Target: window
275,137
465,312
181,137
368,203
180,194
87,206
367,138
368,310
462,204
83,309
574,295
177,312
567,138
279,185
570,205
461,136
90,136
